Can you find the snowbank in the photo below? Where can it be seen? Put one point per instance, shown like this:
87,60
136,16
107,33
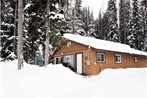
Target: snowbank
57,81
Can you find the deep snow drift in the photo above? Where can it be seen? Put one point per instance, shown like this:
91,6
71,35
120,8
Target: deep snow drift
56,81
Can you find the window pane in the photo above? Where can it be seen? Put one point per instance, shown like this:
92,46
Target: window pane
69,59
117,58
56,60
100,57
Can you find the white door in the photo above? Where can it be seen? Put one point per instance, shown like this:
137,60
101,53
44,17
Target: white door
79,63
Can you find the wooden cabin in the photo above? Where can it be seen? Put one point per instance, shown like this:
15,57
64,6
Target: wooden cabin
89,56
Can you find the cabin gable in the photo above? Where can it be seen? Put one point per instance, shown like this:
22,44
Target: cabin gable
73,47
88,60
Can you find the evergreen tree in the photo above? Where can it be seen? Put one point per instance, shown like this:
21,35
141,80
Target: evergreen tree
100,26
97,28
143,24
85,18
35,25
0,26
144,16
15,27
7,30
34,28
112,21
88,19
124,15
0,17
76,24
136,32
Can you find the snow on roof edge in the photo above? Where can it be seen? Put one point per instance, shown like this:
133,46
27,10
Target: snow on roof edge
103,44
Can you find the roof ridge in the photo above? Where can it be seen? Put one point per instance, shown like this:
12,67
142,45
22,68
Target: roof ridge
103,44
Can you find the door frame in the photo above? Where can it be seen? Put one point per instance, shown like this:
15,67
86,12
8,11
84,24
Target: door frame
76,61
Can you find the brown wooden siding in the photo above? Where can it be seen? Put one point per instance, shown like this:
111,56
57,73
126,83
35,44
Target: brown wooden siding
72,50
74,47
127,61
96,67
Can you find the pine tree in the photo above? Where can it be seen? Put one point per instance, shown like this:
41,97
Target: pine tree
112,21
35,26
145,30
136,31
57,23
105,26
73,17
97,28
124,14
144,16
76,24
7,28
0,25
100,25
20,35
15,27
88,20
101,33
142,27
78,8
85,18
0,18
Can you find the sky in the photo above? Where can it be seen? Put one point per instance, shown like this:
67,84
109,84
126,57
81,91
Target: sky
95,5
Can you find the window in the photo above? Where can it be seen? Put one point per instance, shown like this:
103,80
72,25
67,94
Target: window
135,59
100,57
58,60
69,59
117,58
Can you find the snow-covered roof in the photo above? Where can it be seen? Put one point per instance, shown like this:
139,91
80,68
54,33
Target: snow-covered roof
103,44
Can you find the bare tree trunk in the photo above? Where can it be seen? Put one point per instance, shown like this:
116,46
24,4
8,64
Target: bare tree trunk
67,5
47,34
67,9
20,34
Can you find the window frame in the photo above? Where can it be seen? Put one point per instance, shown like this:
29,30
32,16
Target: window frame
59,60
118,56
100,53
71,56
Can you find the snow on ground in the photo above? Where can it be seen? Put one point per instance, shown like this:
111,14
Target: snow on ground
56,81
